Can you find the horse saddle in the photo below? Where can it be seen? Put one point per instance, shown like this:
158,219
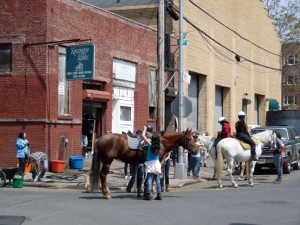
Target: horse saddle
134,141
245,145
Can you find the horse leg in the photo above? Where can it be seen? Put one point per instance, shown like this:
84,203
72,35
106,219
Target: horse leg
215,169
229,170
251,171
103,174
242,171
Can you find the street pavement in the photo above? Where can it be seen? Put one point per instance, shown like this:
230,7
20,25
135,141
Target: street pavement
75,178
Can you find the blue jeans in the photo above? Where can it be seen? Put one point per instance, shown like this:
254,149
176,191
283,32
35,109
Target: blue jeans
248,140
195,165
42,173
149,183
166,174
137,169
277,161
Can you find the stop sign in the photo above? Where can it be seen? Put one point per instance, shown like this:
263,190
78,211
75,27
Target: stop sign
186,105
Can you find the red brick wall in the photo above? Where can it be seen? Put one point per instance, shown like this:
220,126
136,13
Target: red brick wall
31,90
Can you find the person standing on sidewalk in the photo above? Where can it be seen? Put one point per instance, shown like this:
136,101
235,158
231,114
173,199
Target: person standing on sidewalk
152,164
166,170
23,150
35,160
277,157
195,159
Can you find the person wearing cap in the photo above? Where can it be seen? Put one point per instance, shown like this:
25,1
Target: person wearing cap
243,134
224,133
194,164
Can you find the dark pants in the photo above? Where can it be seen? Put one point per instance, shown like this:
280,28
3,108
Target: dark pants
175,156
137,169
248,140
126,169
165,174
22,162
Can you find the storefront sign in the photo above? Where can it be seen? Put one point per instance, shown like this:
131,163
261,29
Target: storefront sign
80,62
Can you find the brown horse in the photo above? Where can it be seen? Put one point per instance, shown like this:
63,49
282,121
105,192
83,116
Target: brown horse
115,146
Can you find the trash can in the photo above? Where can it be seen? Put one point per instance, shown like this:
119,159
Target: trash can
76,162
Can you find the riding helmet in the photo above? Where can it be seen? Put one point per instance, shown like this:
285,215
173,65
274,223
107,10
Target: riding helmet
149,127
221,119
241,113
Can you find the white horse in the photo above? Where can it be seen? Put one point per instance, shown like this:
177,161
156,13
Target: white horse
231,150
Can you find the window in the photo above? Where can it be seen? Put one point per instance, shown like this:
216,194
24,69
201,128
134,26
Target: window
64,105
5,58
125,114
152,84
291,60
291,80
290,100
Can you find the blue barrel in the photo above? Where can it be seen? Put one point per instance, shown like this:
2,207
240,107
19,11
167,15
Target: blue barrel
76,162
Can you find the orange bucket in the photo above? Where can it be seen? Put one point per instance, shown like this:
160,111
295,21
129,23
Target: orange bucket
27,167
57,166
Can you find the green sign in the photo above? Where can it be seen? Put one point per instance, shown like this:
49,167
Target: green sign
80,62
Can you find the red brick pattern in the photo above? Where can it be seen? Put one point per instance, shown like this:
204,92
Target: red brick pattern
30,91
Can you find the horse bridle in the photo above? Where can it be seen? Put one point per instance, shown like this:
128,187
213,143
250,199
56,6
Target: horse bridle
272,139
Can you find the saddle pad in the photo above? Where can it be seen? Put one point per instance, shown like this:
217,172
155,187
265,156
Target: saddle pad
245,145
134,143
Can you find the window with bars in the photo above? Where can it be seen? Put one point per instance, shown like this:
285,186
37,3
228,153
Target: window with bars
290,100
64,99
291,60
152,85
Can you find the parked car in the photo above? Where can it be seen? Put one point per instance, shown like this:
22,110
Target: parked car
290,139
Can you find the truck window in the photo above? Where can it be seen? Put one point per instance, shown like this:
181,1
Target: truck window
283,133
294,132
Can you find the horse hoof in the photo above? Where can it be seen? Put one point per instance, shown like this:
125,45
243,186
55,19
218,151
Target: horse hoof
214,178
240,178
106,197
221,187
88,189
236,186
250,185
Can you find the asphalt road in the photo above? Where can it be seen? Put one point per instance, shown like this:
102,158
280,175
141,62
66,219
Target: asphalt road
266,203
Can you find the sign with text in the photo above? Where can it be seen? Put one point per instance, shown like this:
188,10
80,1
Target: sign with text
80,62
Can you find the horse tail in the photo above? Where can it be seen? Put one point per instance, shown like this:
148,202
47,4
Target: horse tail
95,168
220,162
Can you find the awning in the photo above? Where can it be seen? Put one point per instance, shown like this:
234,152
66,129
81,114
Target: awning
95,95
274,104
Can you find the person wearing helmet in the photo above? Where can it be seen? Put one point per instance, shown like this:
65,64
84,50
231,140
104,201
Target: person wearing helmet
243,134
224,133
149,128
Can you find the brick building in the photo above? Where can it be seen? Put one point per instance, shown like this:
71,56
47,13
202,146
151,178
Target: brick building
37,99
218,82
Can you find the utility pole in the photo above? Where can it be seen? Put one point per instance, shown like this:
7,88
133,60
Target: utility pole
161,65
180,169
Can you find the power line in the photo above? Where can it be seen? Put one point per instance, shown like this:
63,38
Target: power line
233,30
201,31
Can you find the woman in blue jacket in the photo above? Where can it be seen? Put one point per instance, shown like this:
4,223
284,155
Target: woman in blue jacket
23,150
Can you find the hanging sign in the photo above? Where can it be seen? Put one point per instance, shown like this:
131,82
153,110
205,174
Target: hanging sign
80,62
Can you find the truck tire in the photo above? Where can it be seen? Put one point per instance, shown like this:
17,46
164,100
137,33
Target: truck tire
257,169
296,165
286,167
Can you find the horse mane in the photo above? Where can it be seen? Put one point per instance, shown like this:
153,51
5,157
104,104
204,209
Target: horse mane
264,136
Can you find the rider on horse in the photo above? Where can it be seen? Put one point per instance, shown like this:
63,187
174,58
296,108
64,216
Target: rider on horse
242,133
224,133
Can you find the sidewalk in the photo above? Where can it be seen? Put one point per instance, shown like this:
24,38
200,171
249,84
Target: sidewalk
73,178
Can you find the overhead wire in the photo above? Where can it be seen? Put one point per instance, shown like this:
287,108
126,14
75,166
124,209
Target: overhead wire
234,30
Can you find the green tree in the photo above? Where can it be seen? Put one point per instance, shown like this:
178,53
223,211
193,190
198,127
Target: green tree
286,18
